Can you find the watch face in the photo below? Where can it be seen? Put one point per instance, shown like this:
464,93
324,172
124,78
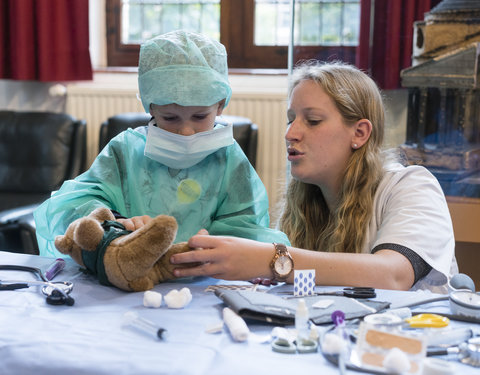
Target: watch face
283,265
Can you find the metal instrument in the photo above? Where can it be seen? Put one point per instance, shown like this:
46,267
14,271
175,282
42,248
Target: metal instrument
57,292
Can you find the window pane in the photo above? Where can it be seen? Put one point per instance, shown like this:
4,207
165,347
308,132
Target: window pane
308,26
331,24
144,19
351,24
272,22
317,22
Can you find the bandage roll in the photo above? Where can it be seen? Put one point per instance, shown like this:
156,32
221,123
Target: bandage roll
236,325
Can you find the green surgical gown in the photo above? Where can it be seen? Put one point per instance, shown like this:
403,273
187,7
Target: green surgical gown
222,193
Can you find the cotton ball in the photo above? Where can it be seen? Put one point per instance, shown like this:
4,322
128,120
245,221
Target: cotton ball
178,299
333,344
152,299
396,361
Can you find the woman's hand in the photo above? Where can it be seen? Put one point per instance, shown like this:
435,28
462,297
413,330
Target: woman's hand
135,222
227,258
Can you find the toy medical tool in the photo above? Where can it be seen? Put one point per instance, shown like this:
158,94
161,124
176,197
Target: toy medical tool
236,325
352,292
427,321
301,321
132,319
57,292
465,303
54,268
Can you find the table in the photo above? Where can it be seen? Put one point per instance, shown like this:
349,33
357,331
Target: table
89,337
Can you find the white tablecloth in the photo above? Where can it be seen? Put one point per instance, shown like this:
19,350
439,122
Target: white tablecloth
89,337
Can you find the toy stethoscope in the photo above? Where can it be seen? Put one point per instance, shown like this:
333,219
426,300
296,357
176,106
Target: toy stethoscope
57,292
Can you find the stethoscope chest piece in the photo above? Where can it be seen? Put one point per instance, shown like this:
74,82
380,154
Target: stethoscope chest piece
471,352
55,296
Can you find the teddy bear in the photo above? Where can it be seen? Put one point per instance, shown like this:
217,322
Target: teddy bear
133,261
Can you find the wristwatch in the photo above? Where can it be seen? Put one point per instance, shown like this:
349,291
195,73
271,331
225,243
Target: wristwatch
282,263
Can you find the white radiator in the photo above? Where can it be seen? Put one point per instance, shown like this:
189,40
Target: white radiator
268,110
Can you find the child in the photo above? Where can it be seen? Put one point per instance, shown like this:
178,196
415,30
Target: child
182,164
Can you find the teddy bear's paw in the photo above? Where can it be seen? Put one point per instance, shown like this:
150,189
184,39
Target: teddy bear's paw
163,269
147,244
140,285
88,233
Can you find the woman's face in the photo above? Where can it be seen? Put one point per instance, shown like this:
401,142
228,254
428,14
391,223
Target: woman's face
319,143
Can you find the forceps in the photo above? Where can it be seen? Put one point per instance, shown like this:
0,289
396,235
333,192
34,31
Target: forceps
352,292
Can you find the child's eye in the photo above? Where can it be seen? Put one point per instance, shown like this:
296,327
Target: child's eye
314,122
200,117
169,118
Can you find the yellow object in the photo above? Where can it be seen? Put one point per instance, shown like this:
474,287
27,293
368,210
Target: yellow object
428,320
188,191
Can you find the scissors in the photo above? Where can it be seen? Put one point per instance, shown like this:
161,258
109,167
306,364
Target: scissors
427,321
352,292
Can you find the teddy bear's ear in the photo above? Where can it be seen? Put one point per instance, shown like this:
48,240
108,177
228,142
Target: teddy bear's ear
88,233
64,244
102,214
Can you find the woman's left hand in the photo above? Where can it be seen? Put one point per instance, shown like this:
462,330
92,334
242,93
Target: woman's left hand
227,258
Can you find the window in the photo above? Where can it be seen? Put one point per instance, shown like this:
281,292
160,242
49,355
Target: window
255,33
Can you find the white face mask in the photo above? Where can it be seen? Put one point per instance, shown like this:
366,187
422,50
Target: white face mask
183,151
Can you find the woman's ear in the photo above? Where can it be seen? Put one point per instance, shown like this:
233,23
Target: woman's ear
363,129
221,105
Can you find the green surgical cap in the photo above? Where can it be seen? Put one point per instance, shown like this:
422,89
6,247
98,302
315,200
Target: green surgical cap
185,68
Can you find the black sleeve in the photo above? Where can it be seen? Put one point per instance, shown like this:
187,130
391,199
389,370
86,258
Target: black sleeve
420,267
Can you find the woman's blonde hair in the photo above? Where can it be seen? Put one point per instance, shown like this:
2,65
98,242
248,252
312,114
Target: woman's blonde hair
306,218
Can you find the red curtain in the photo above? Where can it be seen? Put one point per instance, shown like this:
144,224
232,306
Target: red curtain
385,48
44,40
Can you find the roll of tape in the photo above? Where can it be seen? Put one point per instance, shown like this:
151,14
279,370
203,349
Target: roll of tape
402,312
435,366
382,319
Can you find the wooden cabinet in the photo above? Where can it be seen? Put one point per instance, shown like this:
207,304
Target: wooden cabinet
465,214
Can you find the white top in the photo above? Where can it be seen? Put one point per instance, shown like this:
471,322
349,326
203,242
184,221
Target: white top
410,211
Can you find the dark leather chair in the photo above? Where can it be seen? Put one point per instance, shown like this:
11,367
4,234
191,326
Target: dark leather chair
244,131
38,152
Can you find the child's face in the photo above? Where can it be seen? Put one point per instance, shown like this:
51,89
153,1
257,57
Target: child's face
185,120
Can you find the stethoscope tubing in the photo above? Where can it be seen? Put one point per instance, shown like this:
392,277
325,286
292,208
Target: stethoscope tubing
56,285
59,290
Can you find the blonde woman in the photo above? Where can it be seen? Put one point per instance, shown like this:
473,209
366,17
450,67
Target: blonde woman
352,212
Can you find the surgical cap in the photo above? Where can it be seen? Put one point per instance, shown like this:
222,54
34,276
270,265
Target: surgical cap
185,68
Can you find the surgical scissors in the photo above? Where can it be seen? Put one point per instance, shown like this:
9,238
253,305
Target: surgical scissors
57,292
352,292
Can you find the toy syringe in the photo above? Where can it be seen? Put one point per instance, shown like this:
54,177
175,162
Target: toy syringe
132,319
